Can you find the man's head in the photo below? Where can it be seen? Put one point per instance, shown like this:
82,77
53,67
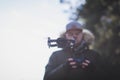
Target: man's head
74,26
74,31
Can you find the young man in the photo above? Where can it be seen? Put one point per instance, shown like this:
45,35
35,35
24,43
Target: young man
77,62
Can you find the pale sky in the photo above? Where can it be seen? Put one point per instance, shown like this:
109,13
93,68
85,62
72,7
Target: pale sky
24,28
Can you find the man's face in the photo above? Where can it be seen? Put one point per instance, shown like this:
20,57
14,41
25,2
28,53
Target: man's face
76,35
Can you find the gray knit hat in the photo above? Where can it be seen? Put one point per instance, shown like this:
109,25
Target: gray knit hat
74,25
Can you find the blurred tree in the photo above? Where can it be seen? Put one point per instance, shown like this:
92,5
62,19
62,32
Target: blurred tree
102,17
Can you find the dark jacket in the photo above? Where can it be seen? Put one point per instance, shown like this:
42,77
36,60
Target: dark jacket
56,69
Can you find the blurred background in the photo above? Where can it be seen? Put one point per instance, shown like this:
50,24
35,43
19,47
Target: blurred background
25,26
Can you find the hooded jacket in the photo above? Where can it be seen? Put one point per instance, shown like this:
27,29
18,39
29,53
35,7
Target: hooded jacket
58,69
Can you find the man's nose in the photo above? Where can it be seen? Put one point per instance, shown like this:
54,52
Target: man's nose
74,36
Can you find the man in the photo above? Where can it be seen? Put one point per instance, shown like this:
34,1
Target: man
77,62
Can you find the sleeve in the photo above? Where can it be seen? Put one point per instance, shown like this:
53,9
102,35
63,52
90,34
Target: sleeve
54,70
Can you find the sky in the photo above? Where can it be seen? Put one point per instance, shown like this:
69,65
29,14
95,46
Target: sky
25,26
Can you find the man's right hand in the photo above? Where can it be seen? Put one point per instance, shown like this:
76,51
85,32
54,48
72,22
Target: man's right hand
74,64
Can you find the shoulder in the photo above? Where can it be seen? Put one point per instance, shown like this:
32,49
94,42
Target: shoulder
93,53
57,53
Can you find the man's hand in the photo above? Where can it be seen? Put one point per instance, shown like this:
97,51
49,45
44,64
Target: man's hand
85,63
74,64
